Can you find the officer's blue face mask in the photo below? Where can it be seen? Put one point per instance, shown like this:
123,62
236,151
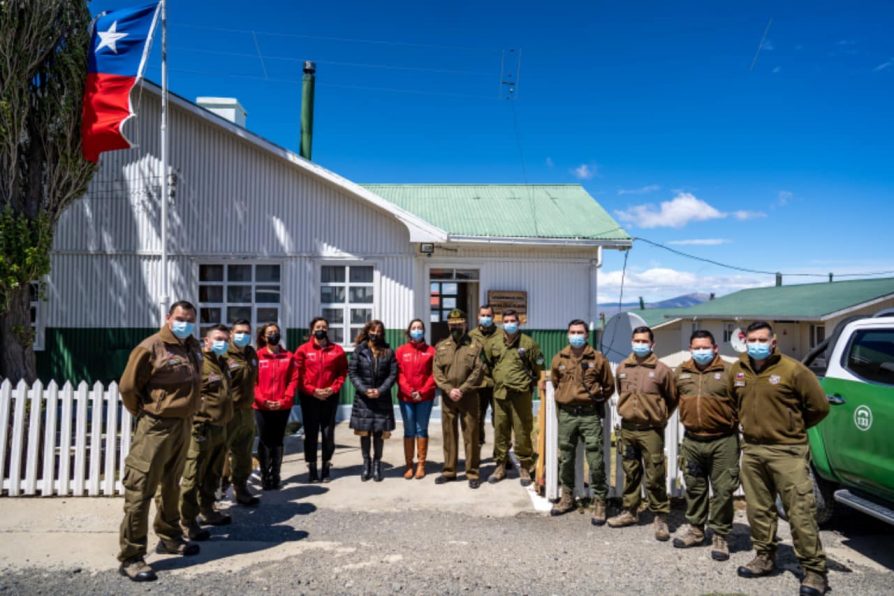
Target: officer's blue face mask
759,350
219,347
510,328
577,340
417,334
182,329
240,340
702,356
641,349
485,321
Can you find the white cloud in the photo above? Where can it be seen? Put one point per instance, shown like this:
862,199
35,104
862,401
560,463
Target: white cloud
777,70
883,66
549,162
784,197
584,171
676,213
661,283
767,46
642,190
701,242
744,215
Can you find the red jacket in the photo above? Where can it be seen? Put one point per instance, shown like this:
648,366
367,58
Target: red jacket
414,363
277,380
319,368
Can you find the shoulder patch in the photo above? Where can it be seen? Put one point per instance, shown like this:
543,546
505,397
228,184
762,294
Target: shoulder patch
718,376
686,376
774,379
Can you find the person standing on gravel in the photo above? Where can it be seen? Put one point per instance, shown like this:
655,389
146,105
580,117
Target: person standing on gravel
710,446
416,395
648,397
242,361
583,381
161,388
481,333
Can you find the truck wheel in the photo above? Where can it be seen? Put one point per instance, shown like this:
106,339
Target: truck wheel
822,492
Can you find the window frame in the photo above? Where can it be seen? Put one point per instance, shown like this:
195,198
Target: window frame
846,356
254,305
347,342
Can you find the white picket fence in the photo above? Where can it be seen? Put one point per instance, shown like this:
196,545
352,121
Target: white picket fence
68,441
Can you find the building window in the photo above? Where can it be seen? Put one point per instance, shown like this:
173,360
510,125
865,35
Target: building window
347,293
728,329
35,315
817,335
230,292
445,292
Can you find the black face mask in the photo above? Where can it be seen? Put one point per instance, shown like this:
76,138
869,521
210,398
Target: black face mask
321,334
457,332
376,339
273,339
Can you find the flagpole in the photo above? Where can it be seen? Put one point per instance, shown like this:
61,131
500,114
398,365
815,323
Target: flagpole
165,282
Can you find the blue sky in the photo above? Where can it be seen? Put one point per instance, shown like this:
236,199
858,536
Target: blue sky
777,159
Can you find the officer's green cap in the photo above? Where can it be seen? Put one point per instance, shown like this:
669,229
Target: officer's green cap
456,316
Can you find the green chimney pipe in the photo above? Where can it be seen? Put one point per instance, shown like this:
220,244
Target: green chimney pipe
307,108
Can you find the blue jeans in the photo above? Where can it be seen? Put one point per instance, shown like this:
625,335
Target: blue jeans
415,416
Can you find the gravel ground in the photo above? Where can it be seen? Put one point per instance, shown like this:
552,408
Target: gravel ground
423,552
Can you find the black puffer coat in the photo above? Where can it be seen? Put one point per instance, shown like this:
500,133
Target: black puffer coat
369,372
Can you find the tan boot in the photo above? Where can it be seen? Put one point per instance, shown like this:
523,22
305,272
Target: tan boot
409,448
719,548
565,504
762,564
498,474
213,517
598,518
422,454
194,531
694,536
813,584
137,570
662,534
625,518
524,476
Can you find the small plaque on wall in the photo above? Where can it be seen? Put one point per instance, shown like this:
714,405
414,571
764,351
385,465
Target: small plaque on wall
501,300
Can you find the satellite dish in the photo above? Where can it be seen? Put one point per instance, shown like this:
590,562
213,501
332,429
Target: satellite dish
737,340
615,340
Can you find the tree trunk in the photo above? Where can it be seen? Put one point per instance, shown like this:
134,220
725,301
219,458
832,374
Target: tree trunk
17,338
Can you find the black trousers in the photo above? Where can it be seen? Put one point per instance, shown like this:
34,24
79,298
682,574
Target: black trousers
318,417
271,426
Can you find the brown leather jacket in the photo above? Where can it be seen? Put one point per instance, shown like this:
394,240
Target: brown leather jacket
581,380
647,392
706,406
163,376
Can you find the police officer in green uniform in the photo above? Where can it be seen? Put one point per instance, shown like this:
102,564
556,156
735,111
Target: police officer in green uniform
458,371
710,449
778,399
583,380
242,361
208,442
160,387
515,362
647,398
481,334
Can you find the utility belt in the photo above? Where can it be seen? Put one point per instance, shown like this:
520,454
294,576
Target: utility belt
634,426
580,409
704,439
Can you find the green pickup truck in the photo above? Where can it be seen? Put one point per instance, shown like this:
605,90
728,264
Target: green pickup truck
852,449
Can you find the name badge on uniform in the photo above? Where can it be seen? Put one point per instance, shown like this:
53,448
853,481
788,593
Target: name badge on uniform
651,374
774,379
740,383
622,375
686,376
561,367
718,376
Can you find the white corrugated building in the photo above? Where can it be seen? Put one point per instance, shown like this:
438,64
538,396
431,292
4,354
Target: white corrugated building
257,232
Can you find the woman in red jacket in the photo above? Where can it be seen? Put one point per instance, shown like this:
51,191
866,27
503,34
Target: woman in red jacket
416,392
322,366
274,395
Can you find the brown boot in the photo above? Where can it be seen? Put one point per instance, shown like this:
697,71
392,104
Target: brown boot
212,517
598,518
625,518
137,570
194,531
565,504
524,476
662,534
813,584
177,547
694,536
422,454
498,474
409,448
762,564
719,548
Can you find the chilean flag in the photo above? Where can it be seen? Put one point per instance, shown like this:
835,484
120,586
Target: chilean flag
118,51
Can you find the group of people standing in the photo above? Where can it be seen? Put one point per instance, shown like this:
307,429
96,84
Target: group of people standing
192,403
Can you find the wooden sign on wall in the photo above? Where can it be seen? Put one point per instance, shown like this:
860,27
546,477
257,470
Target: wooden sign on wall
505,299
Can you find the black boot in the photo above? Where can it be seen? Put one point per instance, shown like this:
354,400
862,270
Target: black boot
324,475
378,447
312,475
264,461
275,467
366,473
377,470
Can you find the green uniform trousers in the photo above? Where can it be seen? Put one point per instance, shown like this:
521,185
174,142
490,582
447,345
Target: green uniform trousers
462,413
204,465
513,415
643,451
240,440
714,462
582,424
153,468
770,470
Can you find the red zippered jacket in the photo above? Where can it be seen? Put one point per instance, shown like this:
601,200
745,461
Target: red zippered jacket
414,371
277,380
319,368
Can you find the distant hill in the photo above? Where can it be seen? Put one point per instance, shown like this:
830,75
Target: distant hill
611,309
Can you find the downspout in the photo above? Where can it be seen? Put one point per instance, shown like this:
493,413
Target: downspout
307,108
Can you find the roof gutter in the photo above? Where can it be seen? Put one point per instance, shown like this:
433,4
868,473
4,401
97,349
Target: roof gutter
579,242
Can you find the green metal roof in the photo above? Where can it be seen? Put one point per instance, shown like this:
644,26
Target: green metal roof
796,302
561,211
